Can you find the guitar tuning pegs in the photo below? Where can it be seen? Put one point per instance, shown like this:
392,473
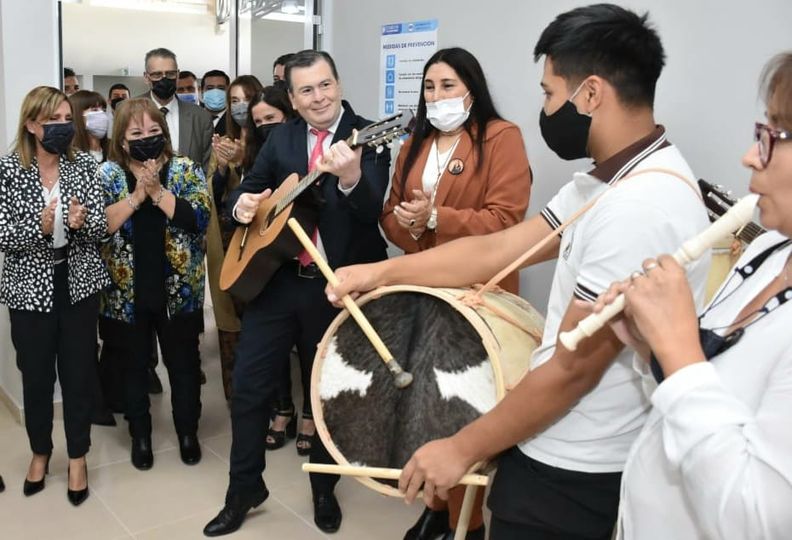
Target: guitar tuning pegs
390,144
380,148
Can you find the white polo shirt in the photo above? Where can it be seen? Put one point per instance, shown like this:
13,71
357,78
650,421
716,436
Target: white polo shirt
641,217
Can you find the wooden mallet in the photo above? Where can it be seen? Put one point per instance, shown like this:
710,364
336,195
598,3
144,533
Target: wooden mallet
401,378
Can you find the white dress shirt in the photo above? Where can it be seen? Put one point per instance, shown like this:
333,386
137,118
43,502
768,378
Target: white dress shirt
714,460
172,119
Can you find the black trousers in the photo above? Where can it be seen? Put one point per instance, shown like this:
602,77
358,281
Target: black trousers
534,501
63,340
178,338
291,310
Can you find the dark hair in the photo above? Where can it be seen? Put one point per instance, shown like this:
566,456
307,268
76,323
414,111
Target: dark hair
304,59
776,89
118,86
124,113
282,59
68,72
482,110
184,74
80,102
250,86
273,96
215,73
608,41
161,52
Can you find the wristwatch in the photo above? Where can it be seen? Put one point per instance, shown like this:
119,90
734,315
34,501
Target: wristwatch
432,223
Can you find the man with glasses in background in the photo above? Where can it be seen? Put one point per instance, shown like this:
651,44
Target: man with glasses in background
190,127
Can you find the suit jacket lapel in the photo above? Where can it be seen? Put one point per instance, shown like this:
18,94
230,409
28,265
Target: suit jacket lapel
464,152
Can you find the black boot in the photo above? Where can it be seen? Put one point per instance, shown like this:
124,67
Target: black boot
429,526
142,455
233,513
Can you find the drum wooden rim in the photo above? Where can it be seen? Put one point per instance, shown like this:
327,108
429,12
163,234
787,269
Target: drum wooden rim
488,339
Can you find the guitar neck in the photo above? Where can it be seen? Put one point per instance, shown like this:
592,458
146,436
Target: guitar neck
749,233
304,183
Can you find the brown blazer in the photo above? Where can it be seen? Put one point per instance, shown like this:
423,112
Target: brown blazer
469,203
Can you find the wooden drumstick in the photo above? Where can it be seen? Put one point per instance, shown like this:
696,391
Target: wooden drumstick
381,473
463,523
401,378
737,216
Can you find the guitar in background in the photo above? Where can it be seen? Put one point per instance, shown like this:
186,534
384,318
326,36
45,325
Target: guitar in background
724,255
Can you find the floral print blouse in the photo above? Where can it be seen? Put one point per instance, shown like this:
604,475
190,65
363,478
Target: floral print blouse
184,250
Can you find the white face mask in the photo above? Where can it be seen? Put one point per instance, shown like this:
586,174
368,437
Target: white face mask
96,123
447,114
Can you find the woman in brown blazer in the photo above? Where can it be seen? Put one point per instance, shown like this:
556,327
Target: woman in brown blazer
463,172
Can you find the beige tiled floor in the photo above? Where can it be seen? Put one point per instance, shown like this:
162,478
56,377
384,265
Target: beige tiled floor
173,501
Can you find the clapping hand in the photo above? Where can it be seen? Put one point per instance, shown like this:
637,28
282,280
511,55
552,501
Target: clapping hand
77,213
48,216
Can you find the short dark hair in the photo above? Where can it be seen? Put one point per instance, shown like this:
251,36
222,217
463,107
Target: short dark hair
609,41
68,72
215,73
160,52
184,74
304,59
282,59
118,86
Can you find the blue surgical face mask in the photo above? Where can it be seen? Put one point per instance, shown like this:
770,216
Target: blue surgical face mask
215,99
188,98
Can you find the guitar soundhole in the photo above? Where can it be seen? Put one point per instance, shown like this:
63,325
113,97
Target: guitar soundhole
267,222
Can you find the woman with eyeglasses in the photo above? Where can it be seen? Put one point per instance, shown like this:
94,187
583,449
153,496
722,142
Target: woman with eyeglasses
51,219
157,213
714,459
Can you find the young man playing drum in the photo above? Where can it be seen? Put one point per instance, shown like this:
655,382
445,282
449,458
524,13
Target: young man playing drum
574,417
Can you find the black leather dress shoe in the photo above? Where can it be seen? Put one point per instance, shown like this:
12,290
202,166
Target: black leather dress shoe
154,383
190,449
233,513
103,417
327,513
431,525
142,455
476,534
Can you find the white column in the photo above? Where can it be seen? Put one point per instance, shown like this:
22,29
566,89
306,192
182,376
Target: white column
28,58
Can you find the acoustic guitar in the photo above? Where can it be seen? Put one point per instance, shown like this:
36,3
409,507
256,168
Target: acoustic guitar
259,248
718,201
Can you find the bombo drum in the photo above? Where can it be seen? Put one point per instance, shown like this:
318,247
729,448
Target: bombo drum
462,358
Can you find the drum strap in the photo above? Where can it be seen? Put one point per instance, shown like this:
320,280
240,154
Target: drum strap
474,301
477,297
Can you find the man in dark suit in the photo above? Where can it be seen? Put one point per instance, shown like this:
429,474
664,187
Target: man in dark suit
291,310
190,126
214,85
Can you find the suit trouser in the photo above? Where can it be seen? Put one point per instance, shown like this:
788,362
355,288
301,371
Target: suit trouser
178,337
63,339
290,310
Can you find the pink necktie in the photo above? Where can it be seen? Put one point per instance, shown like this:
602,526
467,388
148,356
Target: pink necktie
316,152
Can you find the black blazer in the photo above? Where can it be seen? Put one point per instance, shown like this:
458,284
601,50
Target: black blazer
348,224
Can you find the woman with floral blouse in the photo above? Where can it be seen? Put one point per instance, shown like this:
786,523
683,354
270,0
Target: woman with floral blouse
157,213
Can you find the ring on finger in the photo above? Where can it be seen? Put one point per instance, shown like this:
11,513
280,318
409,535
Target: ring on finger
412,223
650,266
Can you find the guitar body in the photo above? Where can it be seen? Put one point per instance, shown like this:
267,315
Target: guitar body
257,250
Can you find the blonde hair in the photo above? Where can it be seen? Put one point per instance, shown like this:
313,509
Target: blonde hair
42,101
776,89
135,109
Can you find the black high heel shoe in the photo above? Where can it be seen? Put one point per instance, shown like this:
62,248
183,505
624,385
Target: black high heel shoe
32,487
276,439
304,442
77,496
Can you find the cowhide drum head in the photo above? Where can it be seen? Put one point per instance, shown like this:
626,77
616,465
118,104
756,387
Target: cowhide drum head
364,419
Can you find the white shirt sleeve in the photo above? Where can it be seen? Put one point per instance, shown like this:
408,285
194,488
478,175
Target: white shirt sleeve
735,465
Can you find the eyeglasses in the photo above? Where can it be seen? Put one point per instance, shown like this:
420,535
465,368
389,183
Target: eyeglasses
158,75
767,137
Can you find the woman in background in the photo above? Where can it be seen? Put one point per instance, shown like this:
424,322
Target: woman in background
90,123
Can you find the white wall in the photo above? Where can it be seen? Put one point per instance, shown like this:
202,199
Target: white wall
269,40
29,26
105,41
707,95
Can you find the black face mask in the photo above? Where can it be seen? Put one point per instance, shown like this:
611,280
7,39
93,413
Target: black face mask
164,88
147,147
57,137
263,131
566,131
115,101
